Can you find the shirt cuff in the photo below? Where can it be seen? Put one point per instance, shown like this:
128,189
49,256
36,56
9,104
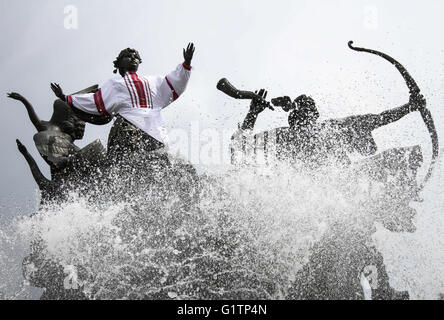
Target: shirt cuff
187,67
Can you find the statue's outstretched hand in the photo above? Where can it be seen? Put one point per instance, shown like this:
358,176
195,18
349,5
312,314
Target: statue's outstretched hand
188,53
58,91
15,96
20,146
259,103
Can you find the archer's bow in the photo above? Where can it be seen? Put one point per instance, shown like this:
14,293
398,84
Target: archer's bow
425,113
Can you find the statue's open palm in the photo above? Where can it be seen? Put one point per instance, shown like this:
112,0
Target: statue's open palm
57,90
188,53
15,96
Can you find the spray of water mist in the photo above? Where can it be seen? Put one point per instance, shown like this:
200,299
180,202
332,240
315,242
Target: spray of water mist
244,233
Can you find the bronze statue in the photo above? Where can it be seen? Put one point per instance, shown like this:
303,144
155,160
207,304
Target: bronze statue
134,160
70,166
55,138
312,142
317,143
136,100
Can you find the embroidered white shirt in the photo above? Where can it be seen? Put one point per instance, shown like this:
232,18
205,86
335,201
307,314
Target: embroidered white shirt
138,99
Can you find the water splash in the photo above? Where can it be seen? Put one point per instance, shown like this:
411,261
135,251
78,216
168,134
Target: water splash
415,261
243,234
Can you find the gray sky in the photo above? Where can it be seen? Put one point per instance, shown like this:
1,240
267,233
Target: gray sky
288,47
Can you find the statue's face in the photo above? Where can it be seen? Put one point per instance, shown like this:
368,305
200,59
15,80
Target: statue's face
74,127
130,62
67,121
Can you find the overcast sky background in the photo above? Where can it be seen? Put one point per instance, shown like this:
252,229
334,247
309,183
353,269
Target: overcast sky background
288,47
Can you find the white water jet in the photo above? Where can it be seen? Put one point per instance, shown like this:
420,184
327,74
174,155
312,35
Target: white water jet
248,236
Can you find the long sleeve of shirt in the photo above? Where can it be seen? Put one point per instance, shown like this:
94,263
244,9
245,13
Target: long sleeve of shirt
103,102
170,87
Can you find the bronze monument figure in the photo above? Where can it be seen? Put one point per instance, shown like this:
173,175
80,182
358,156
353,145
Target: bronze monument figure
317,144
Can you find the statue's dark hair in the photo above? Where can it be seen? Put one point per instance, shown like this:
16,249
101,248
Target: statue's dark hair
305,101
125,53
306,109
307,104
